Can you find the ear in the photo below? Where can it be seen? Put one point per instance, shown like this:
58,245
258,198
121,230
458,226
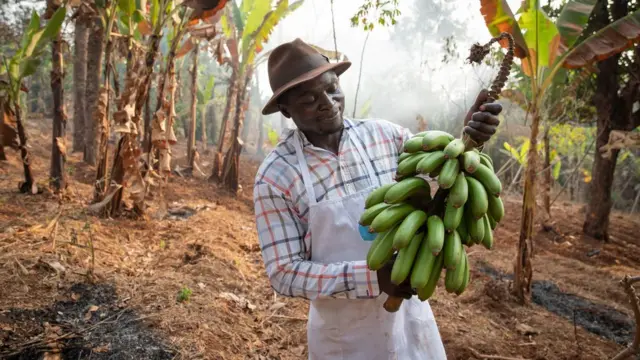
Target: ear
283,110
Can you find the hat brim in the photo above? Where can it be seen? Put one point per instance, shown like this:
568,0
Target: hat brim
272,105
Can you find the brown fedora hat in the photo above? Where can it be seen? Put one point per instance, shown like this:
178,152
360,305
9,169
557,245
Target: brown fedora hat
293,63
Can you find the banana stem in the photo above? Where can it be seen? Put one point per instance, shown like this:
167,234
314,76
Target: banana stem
469,143
392,304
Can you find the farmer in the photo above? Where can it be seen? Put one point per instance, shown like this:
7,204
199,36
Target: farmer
309,194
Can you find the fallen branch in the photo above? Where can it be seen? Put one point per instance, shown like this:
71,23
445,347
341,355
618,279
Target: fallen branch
498,357
634,348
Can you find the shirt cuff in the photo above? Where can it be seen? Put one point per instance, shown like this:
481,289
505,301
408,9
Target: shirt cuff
365,280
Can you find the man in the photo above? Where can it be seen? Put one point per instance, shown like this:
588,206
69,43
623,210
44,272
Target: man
309,194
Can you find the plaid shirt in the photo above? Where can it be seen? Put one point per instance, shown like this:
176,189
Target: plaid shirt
282,210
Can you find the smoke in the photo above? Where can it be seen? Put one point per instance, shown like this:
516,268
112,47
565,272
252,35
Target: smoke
402,70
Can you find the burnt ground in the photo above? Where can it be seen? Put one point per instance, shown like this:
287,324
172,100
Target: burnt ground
203,240
596,318
89,323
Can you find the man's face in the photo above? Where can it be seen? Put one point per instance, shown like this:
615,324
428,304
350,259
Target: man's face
315,106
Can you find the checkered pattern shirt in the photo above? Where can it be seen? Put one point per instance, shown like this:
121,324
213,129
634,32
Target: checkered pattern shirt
282,211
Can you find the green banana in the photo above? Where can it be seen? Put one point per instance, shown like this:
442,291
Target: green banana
478,199
454,149
487,239
496,207
463,231
489,179
377,195
459,192
374,244
427,291
435,234
369,214
452,216
408,229
390,217
406,257
449,173
408,166
487,160
421,134
470,161
436,140
383,252
401,190
454,277
467,276
431,162
476,229
413,145
405,155
452,249
422,266
492,222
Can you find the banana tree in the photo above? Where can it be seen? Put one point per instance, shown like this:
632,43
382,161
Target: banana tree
21,65
247,27
546,49
205,98
136,20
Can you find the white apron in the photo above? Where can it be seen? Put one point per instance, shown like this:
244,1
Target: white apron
359,329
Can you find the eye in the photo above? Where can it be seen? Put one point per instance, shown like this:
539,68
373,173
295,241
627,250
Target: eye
309,99
333,88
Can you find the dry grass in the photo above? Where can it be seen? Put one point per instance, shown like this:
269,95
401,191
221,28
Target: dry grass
215,253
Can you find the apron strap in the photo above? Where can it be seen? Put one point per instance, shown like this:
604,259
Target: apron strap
304,169
367,161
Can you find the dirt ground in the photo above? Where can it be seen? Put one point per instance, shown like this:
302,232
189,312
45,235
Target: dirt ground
126,298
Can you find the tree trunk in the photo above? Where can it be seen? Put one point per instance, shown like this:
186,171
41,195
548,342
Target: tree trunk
547,173
81,37
101,130
260,143
232,158
3,156
29,185
247,122
94,70
194,109
147,117
231,97
203,118
523,268
143,97
614,113
57,175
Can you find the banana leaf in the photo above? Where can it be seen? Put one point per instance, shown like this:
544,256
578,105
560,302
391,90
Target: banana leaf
499,18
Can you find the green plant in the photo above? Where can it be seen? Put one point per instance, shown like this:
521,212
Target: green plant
184,294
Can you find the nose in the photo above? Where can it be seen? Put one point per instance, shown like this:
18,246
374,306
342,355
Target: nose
326,102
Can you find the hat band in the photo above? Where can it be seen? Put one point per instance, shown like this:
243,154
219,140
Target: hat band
297,68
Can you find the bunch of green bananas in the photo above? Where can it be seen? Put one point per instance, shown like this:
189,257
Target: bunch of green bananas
431,234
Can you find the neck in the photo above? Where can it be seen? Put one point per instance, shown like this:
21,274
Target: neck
329,142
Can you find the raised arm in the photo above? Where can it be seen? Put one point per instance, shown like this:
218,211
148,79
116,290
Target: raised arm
291,273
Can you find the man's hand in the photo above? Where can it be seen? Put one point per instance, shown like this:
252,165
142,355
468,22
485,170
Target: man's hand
386,286
482,120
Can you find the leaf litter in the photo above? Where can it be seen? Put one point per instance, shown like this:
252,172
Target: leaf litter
206,242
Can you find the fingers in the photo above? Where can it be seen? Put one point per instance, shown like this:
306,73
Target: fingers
493,108
482,127
481,98
476,135
485,117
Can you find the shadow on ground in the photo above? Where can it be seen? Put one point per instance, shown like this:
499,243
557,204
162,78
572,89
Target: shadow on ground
598,319
90,323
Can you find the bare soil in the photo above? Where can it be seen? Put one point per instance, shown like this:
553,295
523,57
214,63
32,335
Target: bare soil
59,301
